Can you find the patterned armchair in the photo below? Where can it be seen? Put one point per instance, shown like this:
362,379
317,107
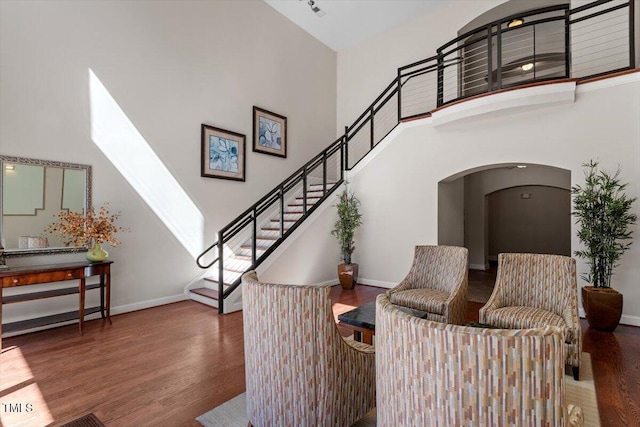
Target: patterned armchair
536,290
436,284
431,373
299,370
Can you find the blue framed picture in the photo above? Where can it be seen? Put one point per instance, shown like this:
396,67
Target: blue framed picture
223,154
269,133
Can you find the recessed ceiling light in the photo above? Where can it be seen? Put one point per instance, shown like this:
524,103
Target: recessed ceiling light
521,166
9,167
515,23
527,67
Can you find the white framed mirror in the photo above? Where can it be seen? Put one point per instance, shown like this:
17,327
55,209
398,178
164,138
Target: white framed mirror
33,192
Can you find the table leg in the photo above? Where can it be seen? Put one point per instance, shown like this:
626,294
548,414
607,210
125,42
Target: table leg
102,295
82,287
108,285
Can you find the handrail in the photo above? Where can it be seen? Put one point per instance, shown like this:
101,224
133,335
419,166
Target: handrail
451,54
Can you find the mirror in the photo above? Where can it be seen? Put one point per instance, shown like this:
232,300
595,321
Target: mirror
33,193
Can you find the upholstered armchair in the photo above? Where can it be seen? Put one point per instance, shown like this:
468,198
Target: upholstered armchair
536,290
436,374
436,284
299,370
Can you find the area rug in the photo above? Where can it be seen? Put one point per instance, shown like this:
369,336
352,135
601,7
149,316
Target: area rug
88,420
582,393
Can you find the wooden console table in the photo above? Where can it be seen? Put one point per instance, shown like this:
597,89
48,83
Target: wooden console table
38,274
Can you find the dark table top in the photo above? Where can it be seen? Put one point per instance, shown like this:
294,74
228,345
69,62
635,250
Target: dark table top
365,315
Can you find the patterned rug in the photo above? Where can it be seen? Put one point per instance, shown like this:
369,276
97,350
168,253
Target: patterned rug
582,393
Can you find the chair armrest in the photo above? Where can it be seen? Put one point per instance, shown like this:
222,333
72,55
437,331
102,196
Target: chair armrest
493,303
402,286
360,346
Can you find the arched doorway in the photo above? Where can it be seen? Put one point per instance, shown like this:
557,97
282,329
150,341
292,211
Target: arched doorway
505,207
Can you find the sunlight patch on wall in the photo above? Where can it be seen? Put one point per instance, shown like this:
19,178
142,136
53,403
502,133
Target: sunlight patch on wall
126,148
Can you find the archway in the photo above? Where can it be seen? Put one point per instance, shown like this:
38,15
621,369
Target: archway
464,202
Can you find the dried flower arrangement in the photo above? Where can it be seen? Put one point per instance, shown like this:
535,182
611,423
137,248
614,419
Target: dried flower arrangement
81,230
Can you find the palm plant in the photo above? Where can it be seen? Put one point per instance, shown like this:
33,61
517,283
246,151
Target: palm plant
349,219
603,213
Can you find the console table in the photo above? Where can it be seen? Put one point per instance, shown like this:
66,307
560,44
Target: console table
39,274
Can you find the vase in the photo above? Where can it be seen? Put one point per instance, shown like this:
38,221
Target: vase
96,253
348,275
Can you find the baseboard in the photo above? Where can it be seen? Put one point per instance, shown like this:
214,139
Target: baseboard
378,283
479,266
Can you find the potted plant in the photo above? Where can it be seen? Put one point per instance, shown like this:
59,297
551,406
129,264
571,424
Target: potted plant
349,219
88,230
603,214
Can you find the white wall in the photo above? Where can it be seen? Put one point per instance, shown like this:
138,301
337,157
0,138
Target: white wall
170,66
398,188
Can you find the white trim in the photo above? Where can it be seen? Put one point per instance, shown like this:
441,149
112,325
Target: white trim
148,304
608,82
378,283
626,319
204,300
554,93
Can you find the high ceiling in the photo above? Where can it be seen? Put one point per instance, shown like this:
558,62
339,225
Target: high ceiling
348,22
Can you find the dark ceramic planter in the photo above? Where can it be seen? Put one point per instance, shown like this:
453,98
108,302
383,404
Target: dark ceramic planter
348,275
603,307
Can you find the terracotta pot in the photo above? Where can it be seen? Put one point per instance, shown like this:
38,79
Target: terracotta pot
603,307
348,275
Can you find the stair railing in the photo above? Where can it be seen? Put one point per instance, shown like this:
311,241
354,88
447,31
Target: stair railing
549,43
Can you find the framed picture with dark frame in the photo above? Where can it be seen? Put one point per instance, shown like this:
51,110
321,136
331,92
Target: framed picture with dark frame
223,154
269,133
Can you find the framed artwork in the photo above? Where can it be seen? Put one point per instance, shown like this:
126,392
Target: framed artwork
269,133
223,154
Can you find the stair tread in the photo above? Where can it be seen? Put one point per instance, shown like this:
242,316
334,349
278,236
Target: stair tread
258,247
206,292
215,280
273,228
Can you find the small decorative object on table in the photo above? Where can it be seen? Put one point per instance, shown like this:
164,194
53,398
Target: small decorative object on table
88,231
349,219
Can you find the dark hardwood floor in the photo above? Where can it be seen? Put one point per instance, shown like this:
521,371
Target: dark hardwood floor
166,365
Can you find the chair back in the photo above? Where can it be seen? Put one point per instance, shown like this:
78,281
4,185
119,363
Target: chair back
292,355
431,373
438,267
537,280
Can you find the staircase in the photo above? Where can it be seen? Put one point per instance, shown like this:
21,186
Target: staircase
239,260
418,90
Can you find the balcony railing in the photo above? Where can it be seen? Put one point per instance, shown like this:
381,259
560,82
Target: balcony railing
543,44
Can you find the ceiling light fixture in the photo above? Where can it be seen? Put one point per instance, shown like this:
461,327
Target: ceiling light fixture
521,166
315,9
9,167
527,67
515,23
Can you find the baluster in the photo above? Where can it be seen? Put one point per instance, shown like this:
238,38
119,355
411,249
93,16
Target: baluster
489,61
499,55
346,148
324,173
399,97
372,136
220,272
254,243
281,212
304,192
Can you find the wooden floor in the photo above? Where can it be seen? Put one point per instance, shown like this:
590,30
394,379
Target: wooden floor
166,365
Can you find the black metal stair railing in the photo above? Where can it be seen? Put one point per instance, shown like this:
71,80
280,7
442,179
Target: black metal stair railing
544,44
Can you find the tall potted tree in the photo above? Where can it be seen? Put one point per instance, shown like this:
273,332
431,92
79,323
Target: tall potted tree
603,214
349,219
